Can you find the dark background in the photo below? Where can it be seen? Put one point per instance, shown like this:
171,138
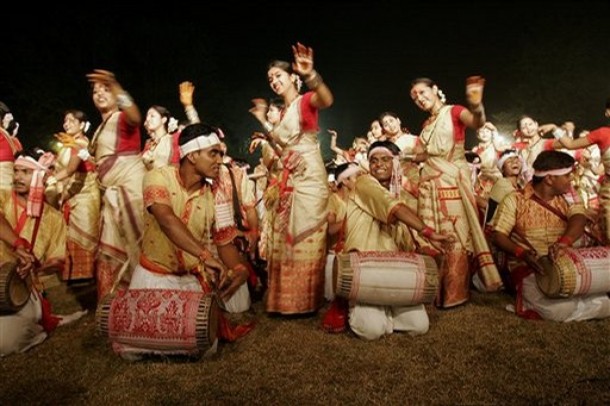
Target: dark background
553,64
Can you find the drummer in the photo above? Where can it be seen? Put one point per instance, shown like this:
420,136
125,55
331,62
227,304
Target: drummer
374,208
180,234
546,215
33,234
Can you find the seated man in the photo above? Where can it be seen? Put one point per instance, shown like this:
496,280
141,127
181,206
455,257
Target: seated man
179,230
545,215
33,234
374,212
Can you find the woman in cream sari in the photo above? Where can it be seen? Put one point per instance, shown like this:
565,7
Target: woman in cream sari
116,149
297,253
75,180
446,202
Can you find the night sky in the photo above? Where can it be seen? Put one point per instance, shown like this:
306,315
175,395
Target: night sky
554,65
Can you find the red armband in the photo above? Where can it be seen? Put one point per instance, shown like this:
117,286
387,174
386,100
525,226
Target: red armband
21,242
427,231
520,252
565,240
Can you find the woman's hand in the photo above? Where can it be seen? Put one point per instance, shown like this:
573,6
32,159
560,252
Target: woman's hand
186,90
106,78
474,91
303,60
259,110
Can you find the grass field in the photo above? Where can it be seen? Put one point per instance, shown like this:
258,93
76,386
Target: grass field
475,354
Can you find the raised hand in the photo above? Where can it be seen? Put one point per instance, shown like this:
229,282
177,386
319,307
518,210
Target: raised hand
474,91
106,78
186,90
303,59
259,110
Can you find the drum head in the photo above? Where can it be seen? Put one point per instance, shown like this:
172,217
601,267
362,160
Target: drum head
14,291
550,282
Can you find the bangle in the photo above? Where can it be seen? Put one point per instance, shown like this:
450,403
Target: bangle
314,80
565,240
252,231
268,126
520,252
205,255
427,231
21,242
124,100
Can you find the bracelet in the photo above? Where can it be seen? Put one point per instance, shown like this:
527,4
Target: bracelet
565,240
268,126
191,114
21,242
313,81
558,133
520,252
427,231
124,100
253,231
205,255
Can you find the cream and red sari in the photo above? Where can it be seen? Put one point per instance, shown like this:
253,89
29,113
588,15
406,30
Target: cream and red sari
81,212
116,148
297,253
446,203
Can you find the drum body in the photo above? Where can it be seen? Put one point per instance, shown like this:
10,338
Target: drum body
386,278
160,320
575,272
14,291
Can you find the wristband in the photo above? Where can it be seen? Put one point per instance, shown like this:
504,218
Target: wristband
21,242
427,231
558,133
268,126
565,240
124,100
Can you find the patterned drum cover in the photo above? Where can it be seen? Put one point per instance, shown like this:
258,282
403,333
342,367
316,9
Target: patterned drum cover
575,272
386,278
163,321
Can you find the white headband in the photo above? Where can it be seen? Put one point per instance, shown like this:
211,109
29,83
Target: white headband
553,172
201,142
352,170
380,150
30,163
505,158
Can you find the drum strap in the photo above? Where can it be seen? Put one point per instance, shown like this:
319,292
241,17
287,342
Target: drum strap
562,216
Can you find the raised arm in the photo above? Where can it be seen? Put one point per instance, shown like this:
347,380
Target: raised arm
303,66
124,100
186,90
474,116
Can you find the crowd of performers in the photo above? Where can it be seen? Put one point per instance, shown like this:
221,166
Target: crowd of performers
177,235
